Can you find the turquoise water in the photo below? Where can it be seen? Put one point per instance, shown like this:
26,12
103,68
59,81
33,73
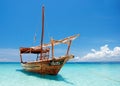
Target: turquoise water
80,74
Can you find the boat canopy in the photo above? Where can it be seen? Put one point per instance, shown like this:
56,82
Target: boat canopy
34,51
45,49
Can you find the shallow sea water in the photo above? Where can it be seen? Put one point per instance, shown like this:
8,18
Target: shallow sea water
77,74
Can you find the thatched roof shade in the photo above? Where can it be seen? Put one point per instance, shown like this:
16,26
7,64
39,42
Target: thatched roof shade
32,50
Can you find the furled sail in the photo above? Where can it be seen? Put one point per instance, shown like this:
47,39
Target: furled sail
56,42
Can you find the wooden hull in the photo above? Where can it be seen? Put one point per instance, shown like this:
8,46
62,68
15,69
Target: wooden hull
51,67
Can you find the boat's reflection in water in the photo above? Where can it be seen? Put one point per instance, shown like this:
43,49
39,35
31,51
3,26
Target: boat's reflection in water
57,77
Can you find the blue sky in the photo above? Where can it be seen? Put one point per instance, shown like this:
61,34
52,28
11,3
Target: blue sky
97,22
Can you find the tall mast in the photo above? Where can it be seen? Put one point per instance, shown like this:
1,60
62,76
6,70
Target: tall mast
42,34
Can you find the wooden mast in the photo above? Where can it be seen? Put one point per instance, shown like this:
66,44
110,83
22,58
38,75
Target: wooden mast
68,47
42,34
52,43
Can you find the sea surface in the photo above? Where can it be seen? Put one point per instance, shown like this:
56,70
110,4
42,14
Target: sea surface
72,74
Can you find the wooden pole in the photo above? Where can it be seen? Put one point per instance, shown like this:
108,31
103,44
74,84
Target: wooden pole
68,47
42,35
21,58
52,43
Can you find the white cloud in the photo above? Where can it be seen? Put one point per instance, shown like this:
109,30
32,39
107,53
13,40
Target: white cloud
104,54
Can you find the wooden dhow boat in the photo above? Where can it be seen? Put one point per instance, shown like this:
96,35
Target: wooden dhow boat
43,63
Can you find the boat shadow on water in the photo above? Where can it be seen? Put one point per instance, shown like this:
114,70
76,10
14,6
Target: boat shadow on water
57,77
